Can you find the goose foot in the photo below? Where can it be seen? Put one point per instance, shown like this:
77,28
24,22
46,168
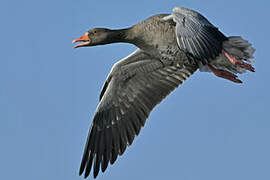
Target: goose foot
224,74
235,61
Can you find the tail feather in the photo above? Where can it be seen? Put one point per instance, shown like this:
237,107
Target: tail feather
237,47
240,48
230,61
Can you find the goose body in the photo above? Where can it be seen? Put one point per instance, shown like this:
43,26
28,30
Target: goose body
159,32
171,47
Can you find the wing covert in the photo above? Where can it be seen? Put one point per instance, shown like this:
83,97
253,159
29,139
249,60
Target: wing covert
196,35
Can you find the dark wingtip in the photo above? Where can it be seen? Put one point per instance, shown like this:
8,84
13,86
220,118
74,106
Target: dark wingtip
86,173
96,173
96,165
81,171
82,167
103,169
104,165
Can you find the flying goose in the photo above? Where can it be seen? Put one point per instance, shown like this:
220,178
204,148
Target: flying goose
171,47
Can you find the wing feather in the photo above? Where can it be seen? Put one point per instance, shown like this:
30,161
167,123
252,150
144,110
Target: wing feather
131,91
196,35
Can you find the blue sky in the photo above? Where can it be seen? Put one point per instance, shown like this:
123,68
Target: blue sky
207,129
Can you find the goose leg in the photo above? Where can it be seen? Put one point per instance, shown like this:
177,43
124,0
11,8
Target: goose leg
224,74
236,61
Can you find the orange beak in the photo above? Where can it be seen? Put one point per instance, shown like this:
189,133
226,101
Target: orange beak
84,38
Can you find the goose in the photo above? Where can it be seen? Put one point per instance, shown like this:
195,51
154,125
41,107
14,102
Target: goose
171,47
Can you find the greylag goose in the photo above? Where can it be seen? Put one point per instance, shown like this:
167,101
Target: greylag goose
171,47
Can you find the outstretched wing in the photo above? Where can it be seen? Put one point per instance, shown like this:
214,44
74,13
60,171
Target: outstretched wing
196,35
133,88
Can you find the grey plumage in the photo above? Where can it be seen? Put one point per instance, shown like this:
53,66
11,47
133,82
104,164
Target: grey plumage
196,35
171,48
236,46
131,91
239,48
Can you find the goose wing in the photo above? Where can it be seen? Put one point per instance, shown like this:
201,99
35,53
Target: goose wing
134,86
196,35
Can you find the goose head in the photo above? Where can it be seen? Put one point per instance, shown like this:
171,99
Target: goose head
100,36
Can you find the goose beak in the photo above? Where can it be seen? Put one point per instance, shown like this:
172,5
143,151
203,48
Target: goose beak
84,38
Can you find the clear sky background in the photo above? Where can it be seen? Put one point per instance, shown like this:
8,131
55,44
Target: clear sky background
208,129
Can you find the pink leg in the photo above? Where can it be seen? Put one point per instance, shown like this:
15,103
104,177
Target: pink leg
224,74
236,61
